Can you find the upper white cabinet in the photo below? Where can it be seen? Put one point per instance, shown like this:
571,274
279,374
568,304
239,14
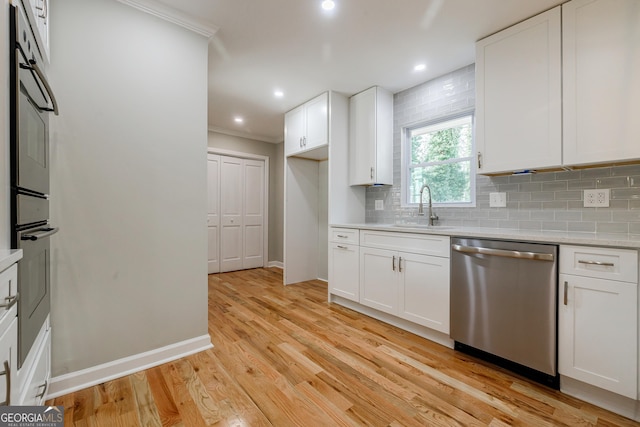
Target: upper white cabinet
306,129
598,318
518,87
371,137
601,86
38,14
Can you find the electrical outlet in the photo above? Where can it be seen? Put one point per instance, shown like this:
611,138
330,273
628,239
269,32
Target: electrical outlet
598,198
498,200
379,205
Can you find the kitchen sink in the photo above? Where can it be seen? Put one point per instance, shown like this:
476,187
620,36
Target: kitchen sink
423,226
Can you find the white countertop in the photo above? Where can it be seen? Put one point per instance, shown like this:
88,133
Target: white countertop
556,237
9,257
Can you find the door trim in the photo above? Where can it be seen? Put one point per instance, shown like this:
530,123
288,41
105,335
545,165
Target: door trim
251,156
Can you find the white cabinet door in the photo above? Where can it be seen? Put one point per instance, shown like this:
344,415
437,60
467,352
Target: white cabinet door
371,137
424,291
213,212
317,122
35,389
9,361
518,87
344,271
379,279
598,333
293,130
601,80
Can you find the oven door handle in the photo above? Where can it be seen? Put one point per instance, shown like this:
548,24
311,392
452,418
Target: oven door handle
33,66
40,234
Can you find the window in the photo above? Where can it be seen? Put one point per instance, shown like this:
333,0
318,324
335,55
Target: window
440,154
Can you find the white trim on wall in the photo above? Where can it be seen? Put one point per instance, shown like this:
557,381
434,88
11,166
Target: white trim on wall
241,155
68,383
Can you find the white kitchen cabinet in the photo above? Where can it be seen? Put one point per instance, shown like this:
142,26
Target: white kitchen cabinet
38,14
598,318
371,137
410,285
344,259
518,102
306,129
35,373
8,358
601,81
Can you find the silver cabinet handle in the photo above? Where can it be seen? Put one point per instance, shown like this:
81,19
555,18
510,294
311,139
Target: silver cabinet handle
604,264
342,247
300,142
342,236
400,264
7,372
10,301
372,172
504,253
44,390
393,263
304,141
566,290
479,160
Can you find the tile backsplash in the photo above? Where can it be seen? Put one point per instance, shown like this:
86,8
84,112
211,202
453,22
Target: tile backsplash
550,201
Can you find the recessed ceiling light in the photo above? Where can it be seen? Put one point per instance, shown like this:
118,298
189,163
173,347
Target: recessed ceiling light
278,93
238,119
328,4
420,67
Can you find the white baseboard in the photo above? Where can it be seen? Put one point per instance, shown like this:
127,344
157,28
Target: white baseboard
277,264
74,381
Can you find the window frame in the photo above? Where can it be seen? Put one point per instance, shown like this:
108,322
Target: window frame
405,137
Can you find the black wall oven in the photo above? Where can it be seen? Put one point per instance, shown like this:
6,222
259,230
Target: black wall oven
32,101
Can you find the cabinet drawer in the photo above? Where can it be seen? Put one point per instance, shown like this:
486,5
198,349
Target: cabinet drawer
344,235
602,263
8,289
427,244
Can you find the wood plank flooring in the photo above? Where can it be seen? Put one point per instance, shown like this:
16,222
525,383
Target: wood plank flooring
283,356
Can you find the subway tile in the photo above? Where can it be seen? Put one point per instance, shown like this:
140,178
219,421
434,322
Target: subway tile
542,196
567,175
531,225
626,216
582,226
595,173
514,196
554,225
612,227
596,214
582,184
531,206
634,204
568,195
530,186
575,204
498,213
543,177
518,179
555,204
628,193
488,223
507,187
568,216
542,215
508,224
619,204
626,170
554,186
634,228
614,182
519,215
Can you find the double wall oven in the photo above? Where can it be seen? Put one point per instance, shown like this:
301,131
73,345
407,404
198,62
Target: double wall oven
32,101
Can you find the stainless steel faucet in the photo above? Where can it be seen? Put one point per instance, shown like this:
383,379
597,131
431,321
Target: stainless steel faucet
432,216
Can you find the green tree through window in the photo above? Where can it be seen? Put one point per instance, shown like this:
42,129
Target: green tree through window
440,156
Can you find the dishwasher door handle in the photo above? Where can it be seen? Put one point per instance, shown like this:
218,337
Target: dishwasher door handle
537,256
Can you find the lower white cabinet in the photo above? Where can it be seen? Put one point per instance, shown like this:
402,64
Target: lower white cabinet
410,285
343,270
598,318
35,373
8,359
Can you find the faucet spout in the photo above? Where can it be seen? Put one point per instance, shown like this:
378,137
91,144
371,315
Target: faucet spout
432,216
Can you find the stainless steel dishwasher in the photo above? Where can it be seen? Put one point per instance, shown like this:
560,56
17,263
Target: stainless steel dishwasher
504,304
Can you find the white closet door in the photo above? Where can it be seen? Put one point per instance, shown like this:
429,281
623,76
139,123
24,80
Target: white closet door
213,212
231,200
253,220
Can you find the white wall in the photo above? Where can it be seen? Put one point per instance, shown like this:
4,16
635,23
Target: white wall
5,237
128,183
275,152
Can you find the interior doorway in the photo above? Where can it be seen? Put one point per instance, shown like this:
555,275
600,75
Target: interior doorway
237,214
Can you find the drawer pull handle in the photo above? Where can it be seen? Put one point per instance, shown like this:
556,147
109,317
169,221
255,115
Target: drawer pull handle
400,265
393,263
10,301
566,289
44,389
604,264
342,247
7,372
342,236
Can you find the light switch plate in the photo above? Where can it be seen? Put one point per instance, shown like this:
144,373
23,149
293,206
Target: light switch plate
498,200
598,198
379,205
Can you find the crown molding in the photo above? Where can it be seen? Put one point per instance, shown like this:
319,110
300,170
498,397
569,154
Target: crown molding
174,16
246,135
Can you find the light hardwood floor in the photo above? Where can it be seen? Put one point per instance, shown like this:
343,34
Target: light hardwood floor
283,356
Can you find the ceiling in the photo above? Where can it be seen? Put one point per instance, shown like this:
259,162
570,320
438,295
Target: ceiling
297,47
